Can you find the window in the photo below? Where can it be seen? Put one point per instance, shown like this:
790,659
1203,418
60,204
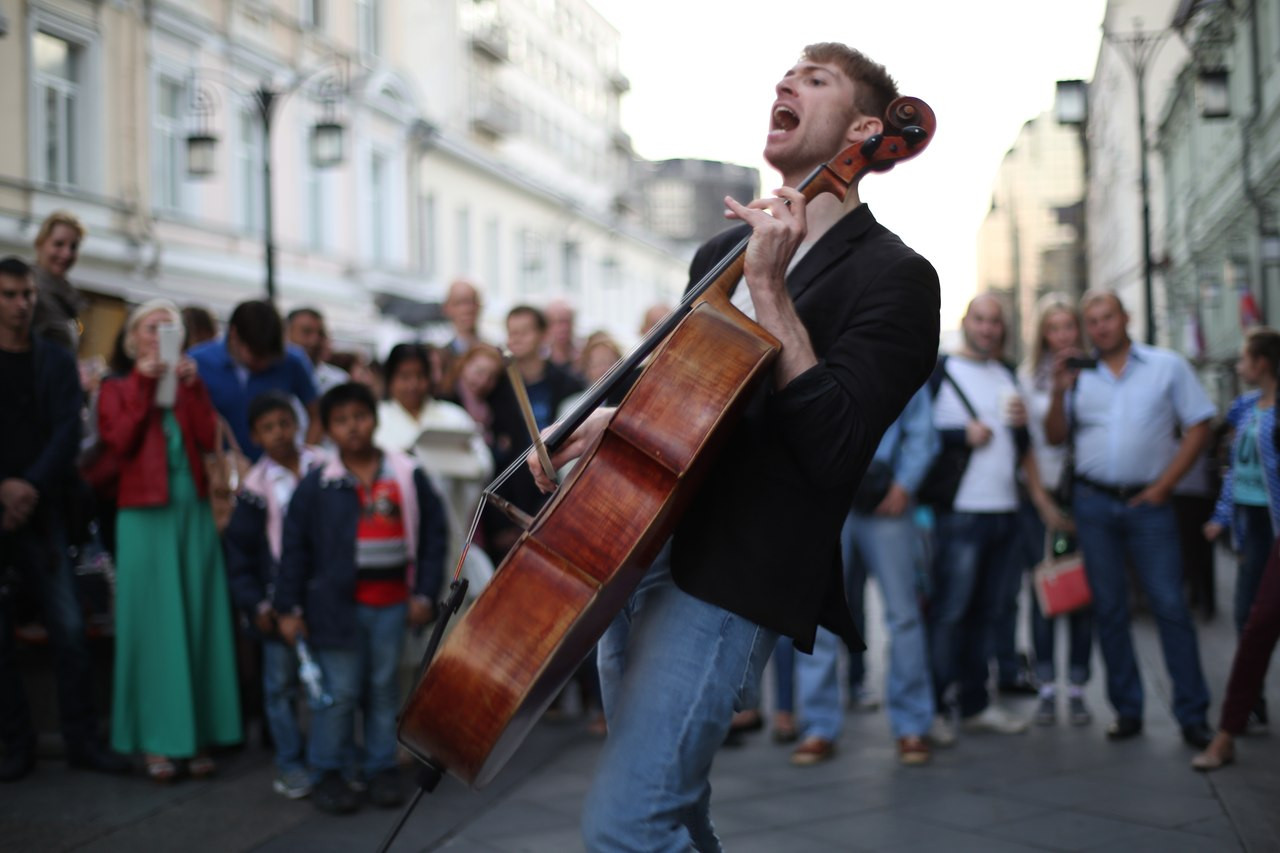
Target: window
311,14
463,261
317,223
571,263
427,239
248,171
170,154
58,73
380,203
533,265
493,255
369,26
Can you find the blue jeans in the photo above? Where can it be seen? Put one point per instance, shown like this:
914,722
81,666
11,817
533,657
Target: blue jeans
975,563
1253,531
1043,631
818,686
1109,530
366,672
890,549
280,699
39,553
784,674
673,669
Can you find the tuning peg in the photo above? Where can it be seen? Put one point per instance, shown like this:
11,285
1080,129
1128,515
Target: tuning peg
870,144
914,135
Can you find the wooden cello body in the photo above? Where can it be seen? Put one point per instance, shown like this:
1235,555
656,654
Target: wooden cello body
572,570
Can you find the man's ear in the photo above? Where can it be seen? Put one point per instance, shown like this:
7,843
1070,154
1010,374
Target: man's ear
862,127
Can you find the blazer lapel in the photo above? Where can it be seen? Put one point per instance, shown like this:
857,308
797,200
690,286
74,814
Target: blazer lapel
831,247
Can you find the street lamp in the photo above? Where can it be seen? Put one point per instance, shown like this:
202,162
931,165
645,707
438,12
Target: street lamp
1071,107
1071,102
1138,48
326,146
1213,92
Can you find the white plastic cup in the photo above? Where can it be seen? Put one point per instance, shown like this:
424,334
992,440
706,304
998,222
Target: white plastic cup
1009,401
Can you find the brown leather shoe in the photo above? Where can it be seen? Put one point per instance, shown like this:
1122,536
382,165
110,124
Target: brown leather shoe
913,750
813,750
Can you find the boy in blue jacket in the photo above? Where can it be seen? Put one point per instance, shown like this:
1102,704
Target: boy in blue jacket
363,553
252,541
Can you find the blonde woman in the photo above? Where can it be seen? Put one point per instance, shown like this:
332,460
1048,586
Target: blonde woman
58,304
175,694
1058,329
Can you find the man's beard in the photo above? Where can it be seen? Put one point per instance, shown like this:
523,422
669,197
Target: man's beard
975,347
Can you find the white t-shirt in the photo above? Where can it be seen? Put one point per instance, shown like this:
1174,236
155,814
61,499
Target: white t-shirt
1051,459
990,480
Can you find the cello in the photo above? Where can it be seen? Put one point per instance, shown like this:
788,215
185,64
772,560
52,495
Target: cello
579,559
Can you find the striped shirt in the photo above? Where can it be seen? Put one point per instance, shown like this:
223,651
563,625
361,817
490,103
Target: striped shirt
382,554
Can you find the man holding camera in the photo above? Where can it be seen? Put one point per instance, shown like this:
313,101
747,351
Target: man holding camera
1122,417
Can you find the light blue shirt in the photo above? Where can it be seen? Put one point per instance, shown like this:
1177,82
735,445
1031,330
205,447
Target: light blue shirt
911,442
1126,426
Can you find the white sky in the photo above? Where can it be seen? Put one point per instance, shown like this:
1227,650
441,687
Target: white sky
702,74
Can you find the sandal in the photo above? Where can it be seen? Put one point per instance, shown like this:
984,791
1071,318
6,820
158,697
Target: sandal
201,767
160,769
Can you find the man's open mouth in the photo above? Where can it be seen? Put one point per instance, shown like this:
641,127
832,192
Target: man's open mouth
784,120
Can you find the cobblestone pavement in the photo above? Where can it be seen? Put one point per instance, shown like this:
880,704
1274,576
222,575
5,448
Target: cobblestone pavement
1053,788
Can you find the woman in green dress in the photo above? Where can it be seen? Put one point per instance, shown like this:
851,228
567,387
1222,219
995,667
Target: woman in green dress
174,693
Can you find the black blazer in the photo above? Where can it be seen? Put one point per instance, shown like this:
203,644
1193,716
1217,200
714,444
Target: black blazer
761,537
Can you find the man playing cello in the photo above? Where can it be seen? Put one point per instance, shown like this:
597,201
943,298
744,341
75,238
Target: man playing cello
756,554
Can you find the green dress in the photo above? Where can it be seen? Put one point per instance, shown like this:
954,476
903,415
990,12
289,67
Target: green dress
175,691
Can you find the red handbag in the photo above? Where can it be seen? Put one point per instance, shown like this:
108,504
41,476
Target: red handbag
1060,583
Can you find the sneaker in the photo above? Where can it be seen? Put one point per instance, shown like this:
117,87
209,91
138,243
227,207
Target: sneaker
1078,712
1021,684
332,795
1046,710
942,733
913,750
863,700
386,789
294,784
994,719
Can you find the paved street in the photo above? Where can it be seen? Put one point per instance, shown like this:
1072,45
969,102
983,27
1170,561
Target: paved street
1056,788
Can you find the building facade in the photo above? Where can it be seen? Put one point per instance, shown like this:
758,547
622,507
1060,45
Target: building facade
1134,31
481,139
1029,243
684,199
1220,147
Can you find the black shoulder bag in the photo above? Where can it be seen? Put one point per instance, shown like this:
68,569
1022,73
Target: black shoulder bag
940,485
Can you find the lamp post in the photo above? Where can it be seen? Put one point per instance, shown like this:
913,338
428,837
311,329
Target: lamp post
1138,48
1071,108
326,148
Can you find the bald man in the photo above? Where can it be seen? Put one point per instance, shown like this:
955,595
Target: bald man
977,405
462,306
562,346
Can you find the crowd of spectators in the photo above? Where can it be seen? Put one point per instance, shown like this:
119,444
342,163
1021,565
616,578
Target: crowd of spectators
358,479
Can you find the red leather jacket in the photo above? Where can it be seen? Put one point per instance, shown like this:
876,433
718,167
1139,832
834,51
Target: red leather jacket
130,425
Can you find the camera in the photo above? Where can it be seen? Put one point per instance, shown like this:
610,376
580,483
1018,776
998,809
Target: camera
1079,362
